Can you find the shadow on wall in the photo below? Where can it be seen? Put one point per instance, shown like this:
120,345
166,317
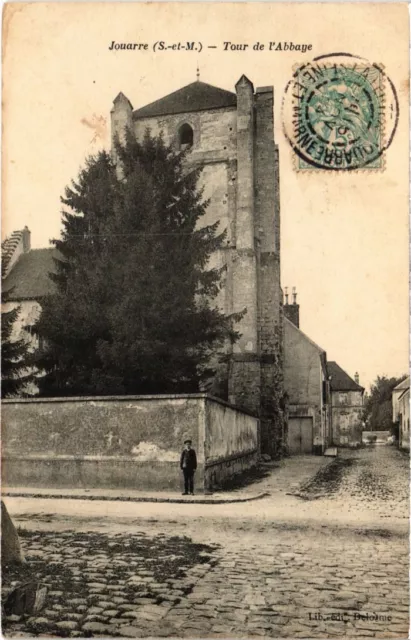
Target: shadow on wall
241,480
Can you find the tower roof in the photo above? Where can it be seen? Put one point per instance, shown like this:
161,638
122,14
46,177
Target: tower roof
340,380
120,97
197,96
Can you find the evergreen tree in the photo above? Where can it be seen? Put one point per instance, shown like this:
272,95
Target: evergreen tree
14,356
133,310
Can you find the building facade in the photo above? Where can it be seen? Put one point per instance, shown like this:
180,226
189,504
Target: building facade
401,412
230,135
25,283
347,406
306,385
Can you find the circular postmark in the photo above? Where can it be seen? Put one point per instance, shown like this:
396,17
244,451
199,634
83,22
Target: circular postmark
340,112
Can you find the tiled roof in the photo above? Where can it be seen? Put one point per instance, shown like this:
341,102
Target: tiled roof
29,276
340,380
197,96
403,385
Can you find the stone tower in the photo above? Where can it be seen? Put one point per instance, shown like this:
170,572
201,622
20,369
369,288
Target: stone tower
231,136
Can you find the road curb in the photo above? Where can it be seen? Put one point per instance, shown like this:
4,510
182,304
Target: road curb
57,496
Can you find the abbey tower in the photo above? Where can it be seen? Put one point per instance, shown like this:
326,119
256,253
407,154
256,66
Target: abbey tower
231,136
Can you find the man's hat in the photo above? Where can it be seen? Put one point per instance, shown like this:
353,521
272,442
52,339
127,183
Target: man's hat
188,441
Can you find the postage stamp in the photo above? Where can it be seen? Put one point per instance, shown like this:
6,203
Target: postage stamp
339,113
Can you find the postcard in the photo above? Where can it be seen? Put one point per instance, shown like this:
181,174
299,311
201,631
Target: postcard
205,362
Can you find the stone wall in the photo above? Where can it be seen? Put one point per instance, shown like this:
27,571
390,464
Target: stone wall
267,231
215,151
347,399
347,411
232,443
347,425
118,442
375,437
214,130
229,432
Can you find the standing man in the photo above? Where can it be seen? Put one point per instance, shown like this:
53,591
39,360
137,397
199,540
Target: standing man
188,464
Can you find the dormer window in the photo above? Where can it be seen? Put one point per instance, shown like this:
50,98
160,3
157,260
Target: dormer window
185,137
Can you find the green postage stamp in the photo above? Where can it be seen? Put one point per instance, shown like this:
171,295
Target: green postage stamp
339,113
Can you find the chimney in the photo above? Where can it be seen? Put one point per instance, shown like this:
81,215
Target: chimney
26,239
292,311
357,377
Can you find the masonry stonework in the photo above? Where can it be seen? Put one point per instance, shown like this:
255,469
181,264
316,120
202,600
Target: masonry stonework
233,143
124,442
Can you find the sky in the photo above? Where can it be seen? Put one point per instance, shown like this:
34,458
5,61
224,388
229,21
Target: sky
344,236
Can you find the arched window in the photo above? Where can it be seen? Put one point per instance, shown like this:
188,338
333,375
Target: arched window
185,136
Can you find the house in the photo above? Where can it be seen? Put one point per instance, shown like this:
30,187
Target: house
396,393
347,405
25,283
306,385
401,412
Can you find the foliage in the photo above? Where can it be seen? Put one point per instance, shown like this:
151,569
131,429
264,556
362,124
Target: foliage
133,309
14,355
378,403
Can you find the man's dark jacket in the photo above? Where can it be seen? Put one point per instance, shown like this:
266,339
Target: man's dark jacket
190,458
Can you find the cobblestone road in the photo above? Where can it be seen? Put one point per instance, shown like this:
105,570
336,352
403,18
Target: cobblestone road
241,571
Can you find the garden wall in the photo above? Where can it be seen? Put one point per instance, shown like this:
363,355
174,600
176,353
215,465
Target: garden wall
121,442
375,437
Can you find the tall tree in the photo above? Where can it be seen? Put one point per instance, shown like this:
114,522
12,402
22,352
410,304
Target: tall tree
133,311
378,403
14,355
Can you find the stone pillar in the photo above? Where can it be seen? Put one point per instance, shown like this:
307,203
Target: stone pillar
244,376
121,120
267,221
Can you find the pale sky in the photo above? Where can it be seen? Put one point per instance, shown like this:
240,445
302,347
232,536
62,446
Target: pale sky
344,237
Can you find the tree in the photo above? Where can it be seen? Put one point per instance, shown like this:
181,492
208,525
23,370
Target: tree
133,309
14,355
378,404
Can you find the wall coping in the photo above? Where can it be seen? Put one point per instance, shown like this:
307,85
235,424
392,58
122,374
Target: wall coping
160,396
86,458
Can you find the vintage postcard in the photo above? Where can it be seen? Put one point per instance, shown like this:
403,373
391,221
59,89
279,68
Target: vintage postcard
205,362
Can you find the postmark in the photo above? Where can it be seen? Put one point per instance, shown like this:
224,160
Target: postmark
340,113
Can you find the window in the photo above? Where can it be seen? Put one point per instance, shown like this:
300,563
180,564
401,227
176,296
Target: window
185,137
